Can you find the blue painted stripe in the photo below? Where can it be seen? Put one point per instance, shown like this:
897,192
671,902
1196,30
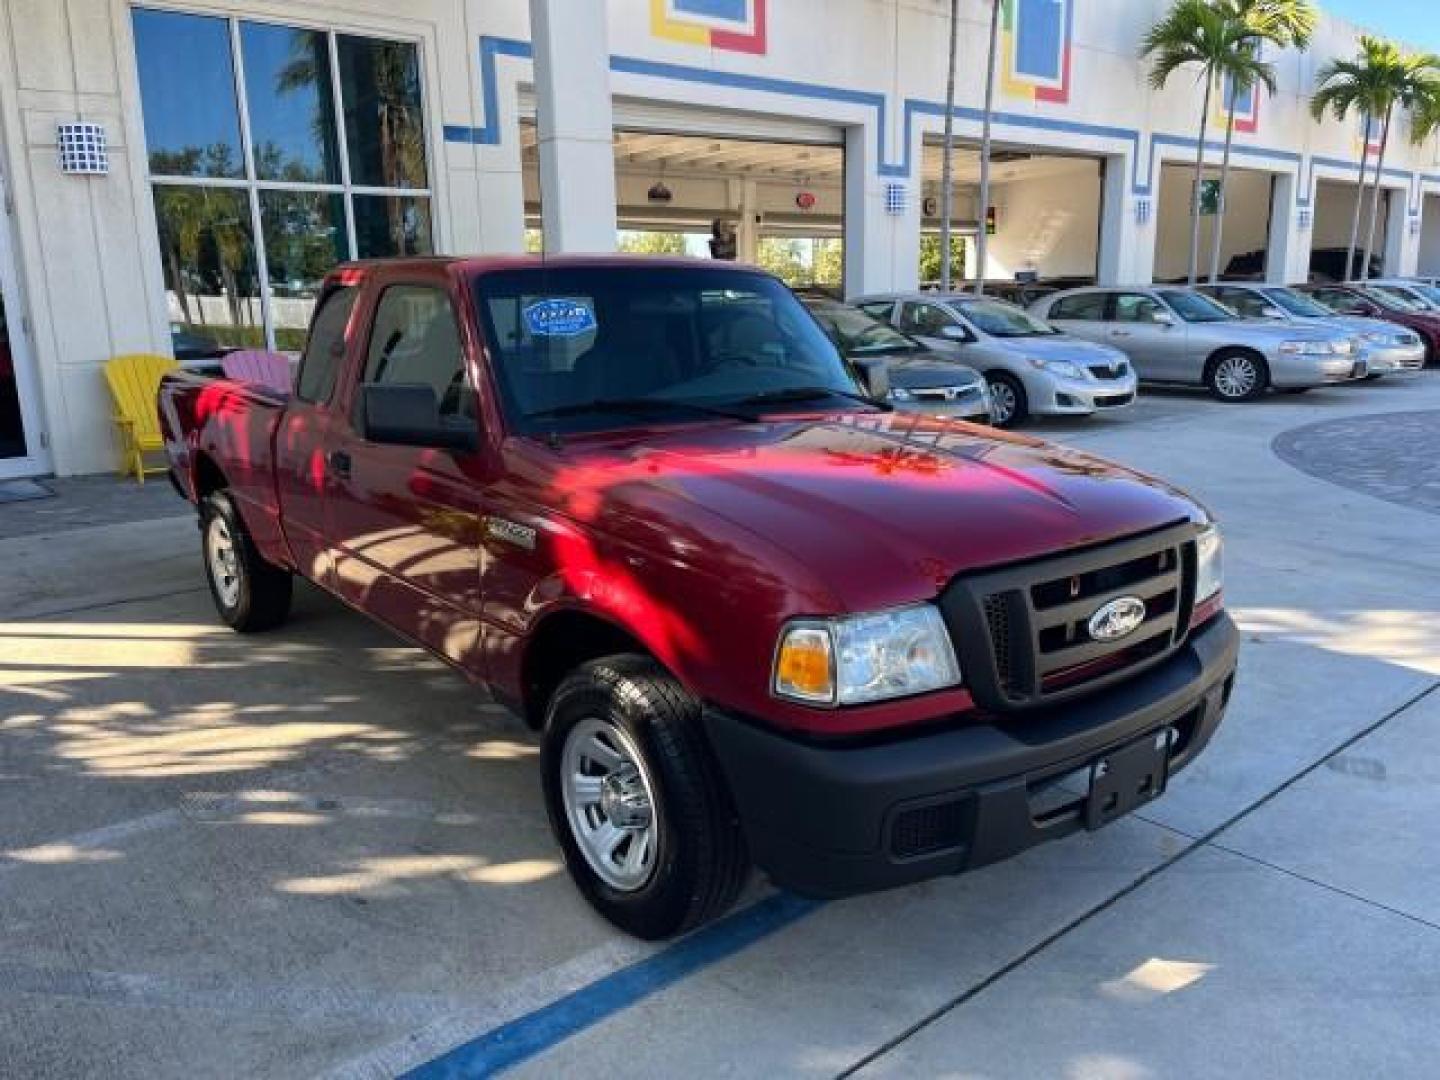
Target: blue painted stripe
489,134
534,1033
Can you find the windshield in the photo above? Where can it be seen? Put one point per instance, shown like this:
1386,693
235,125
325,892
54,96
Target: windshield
604,347
1429,292
1297,304
1393,298
861,334
999,319
1192,307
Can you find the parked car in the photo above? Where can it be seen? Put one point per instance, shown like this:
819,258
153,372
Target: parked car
1417,293
1388,349
754,614
1377,304
921,380
1177,335
1032,368
189,347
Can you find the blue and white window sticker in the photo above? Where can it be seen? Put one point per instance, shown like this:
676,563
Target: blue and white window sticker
558,317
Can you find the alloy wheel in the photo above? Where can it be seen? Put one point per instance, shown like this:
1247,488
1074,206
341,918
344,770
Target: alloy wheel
610,803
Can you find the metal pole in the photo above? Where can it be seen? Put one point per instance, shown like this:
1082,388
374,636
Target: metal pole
982,238
947,164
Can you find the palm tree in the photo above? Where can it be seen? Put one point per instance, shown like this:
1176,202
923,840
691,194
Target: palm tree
1196,32
1284,23
1371,84
947,162
982,236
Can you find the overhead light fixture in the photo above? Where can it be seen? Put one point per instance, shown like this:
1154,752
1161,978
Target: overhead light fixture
659,192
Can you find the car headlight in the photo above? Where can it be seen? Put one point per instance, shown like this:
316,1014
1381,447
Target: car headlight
1209,564
1057,367
899,393
1316,348
1376,337
863,658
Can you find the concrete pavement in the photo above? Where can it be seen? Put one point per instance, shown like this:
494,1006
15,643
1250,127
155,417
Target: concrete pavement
319,852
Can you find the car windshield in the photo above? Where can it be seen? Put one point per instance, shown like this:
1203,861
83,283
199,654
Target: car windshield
861,334
586,348
1429,292
1194,308
1296,304
1394,299
999,319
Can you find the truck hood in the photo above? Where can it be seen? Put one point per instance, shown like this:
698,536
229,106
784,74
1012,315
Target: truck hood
868,510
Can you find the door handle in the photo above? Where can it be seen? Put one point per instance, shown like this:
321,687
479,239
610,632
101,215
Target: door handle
1120,333
339,462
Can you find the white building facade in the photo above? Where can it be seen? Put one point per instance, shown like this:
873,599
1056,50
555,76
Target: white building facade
252,144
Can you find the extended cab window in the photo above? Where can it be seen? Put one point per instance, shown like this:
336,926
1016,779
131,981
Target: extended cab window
325,348
415,341
1087,307
591,348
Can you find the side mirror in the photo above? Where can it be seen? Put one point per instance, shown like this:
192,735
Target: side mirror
1268,312
1162,318
955,332
874,377
408,414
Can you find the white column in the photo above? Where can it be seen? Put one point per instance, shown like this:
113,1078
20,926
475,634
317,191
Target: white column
881,248
747,234
575,124
1127,245
1288,260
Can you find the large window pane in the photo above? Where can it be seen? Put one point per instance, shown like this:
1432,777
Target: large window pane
392,225
384,128
208,252
304,238
292,104
187,90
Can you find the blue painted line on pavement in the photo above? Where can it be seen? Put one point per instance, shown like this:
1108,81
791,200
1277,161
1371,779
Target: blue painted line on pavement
535,1032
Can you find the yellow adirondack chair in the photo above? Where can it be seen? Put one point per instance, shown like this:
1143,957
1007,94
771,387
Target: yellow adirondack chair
134,381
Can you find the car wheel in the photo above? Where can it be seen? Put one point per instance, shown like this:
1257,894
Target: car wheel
1009,405
636,800
249,593
1237,376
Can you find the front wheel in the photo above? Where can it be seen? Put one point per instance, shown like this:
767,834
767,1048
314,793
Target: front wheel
1237,376
1009,405
249,593
637,802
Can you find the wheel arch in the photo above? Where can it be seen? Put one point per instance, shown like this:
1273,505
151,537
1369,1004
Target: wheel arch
559,643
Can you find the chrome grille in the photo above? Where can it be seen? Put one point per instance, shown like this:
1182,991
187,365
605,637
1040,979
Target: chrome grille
1023,632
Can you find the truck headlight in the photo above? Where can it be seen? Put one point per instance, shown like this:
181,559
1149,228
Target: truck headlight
1057,367
1209,564
863,658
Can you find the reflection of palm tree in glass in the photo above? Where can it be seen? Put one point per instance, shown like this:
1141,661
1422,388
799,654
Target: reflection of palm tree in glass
385,77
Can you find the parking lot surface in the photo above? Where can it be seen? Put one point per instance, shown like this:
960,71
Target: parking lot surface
319,852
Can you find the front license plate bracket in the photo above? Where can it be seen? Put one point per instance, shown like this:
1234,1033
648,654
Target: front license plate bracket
1128,777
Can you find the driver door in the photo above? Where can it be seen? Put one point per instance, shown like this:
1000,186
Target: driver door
1155,347
404,521
929,323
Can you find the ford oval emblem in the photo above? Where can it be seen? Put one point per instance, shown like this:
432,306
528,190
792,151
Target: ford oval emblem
1117,619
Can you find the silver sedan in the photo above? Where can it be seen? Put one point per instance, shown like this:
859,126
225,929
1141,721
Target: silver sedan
1176,335
1387,349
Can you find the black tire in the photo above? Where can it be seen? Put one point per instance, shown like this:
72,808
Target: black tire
257,596
1223,371
700,862
1003,385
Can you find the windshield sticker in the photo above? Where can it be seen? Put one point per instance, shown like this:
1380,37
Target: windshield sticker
559,318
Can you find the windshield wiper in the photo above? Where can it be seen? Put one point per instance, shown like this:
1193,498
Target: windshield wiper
638,406
791,394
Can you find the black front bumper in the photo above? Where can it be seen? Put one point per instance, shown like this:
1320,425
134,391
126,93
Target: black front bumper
831,820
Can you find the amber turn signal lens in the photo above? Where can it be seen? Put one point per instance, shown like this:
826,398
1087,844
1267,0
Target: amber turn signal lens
805,669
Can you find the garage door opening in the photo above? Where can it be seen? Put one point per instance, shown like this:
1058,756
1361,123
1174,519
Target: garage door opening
1245,242
1429,264
1043,220
1334,215
773,203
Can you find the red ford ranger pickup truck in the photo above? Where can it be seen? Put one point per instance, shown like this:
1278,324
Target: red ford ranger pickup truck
759,617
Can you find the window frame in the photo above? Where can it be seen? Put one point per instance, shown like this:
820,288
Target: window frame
327,295
1106,301
250,183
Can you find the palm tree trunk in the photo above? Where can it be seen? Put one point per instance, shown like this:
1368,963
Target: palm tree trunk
1199,179
983,237
947,163
1359,200
1375,198
1217,232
